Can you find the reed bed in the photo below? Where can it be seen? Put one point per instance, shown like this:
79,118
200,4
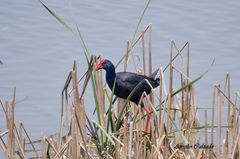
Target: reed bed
179,127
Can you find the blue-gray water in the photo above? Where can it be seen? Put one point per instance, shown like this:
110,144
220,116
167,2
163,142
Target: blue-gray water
38,52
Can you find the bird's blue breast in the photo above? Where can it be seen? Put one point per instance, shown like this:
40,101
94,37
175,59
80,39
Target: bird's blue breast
110,77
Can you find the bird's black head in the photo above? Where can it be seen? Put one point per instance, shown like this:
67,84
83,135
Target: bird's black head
105,64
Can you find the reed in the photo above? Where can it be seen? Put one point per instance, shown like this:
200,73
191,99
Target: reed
118,133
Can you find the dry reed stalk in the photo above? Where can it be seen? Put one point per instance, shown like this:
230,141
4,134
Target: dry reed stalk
150,50
219,103
141,147
238,138
224,95
138,134
186,93
228,91
88,154
153,141
65,94
200,154
206,133
143,53
78,103
126,56
79,114
73,134
164,88
66,113
51,145
8,129
117,140
22,151
2,143
59,154
144,148
159,145
238,93
212,120
21,138
12,102
136,116
232,122
150,59
118,148
235,119
29,139
43,143
86,80
61,130
165,144
188,59
125,139
179,51
74,145
225,146
152,109
10,125
170,102
21,146
229,132
236,147
130,140
179,107
131,55
194,115
132,44
144,31
82,151
160,102
155,153
173,154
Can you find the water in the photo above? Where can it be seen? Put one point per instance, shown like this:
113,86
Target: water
38,52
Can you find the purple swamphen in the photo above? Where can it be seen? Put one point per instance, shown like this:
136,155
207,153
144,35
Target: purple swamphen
126,82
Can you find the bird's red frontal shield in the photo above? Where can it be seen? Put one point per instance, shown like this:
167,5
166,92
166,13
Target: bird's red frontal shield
100,64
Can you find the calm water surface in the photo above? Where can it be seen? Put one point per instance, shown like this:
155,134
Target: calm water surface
38,52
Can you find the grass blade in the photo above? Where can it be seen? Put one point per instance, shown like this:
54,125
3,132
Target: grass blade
140,20
57,17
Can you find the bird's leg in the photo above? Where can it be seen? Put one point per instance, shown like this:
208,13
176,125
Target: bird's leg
148,118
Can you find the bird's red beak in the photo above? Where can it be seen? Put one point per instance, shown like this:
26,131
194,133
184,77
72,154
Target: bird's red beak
100,64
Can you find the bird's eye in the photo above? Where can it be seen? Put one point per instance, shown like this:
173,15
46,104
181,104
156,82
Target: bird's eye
102,62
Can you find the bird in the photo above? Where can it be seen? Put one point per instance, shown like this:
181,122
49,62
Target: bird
126,82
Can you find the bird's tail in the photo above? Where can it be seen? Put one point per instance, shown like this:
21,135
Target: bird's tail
158,80
154,75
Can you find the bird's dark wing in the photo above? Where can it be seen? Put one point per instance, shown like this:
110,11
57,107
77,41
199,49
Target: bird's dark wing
131,80
127,81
